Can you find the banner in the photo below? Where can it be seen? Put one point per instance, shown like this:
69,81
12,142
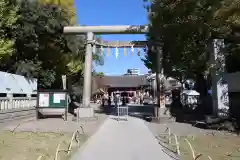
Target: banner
64,81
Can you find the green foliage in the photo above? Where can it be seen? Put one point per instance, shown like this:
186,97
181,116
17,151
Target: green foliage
8,18
100,74
67,5
183,30
40,44
32,42
40,48
76,59
98,56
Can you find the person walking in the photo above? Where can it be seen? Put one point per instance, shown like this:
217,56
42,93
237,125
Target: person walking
73,105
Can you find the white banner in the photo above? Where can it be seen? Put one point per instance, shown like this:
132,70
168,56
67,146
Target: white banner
64,81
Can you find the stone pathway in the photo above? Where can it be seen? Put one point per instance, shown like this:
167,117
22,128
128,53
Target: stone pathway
122,140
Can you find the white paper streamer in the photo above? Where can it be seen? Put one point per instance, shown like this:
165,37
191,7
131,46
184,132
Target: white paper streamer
132,49
102,51
116,53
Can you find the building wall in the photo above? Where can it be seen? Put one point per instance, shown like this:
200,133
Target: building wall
133,71
96,83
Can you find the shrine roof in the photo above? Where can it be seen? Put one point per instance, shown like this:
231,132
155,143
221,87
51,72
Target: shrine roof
125,81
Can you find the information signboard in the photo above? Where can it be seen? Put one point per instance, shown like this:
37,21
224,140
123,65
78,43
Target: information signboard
53,99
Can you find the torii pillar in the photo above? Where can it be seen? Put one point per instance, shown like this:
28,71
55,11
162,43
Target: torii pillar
88,71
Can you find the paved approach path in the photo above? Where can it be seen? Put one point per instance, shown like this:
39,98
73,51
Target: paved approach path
122,140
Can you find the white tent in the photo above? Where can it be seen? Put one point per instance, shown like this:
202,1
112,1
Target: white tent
16,84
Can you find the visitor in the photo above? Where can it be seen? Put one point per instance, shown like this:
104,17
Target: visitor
115,99
124,98
147,94
73,105
141,98
109,101
103,101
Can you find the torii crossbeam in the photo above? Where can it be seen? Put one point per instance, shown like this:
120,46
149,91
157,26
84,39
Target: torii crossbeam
125,29
90,31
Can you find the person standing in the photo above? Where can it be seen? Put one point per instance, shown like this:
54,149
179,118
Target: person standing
103,101
115,99
141,98
124,98
109,101
73,104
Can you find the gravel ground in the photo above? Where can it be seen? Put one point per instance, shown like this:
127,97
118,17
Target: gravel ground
180,129
219,145
57,125
41,137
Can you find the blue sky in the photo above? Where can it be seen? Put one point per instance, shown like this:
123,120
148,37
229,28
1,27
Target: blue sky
115,12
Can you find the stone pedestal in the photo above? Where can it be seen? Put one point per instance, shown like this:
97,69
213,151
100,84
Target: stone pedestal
164,112
87,112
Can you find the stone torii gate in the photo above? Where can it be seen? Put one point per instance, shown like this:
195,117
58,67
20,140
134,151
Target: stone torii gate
216,49
91,44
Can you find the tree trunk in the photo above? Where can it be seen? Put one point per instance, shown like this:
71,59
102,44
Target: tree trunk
158,74
201,84
158,94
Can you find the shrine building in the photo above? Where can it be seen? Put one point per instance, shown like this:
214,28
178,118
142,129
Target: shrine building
131,83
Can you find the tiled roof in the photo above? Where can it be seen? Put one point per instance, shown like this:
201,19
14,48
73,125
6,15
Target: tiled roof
121,81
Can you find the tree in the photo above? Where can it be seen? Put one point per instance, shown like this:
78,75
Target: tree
40,46
77,60
67,5
75,43
98,56
99,74
183,30
8,18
